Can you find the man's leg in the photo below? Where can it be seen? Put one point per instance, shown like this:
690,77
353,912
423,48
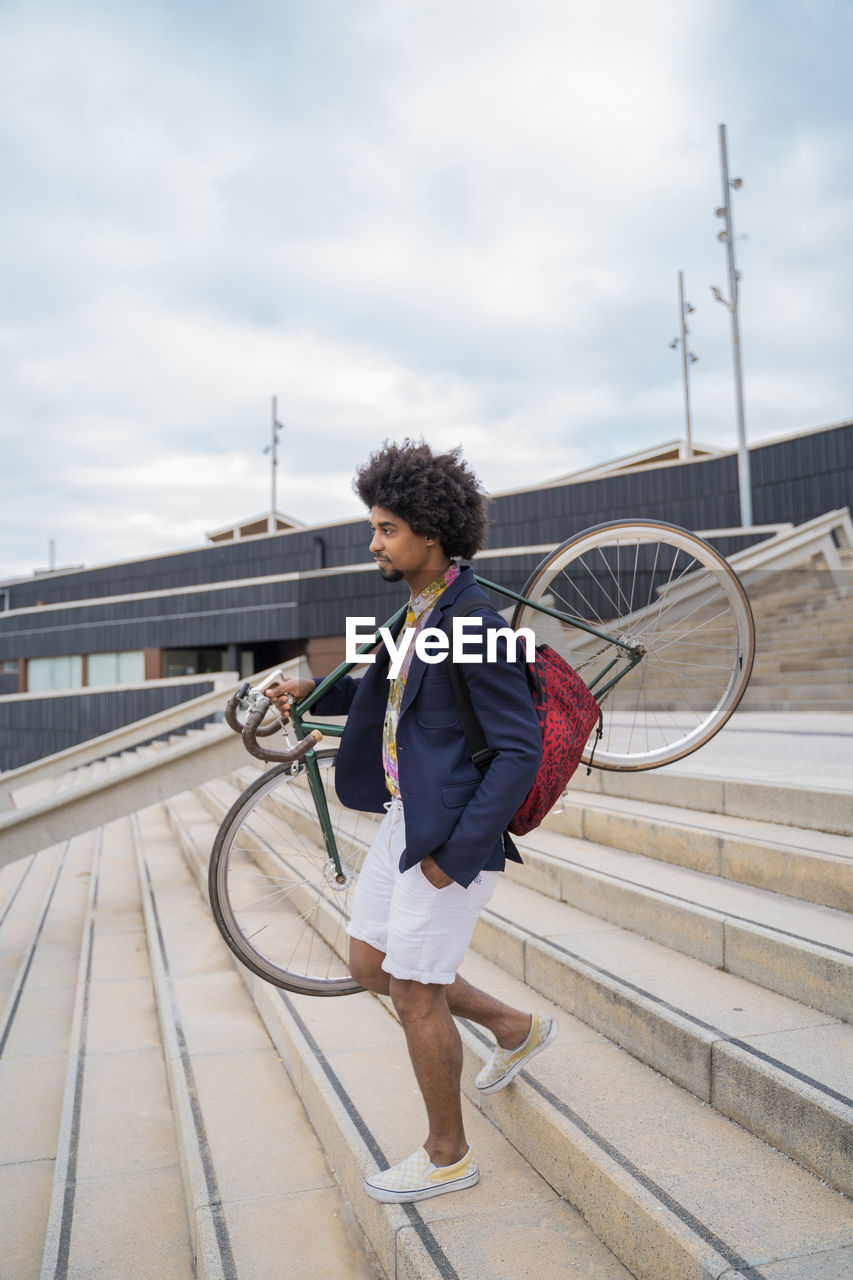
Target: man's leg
435,1049
509,1026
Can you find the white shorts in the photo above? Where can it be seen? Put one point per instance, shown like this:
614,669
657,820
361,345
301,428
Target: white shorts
423,931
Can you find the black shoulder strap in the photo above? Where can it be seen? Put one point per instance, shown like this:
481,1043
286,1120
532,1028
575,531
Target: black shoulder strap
481,753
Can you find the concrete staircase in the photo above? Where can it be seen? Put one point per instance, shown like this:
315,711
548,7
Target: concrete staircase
168,1115
804,639
150,1129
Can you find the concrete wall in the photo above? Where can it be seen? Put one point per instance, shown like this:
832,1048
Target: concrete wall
33,726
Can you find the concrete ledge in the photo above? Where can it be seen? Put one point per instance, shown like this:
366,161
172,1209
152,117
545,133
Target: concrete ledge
815,1129
651,1242
656,1035
655,1234
684,926
203,1214
813,808
803,1122
139,783
793,967
734,848
816,810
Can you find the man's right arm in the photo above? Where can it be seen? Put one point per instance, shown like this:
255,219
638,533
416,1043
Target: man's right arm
336,702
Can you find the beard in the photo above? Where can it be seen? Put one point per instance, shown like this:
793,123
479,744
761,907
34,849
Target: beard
387,574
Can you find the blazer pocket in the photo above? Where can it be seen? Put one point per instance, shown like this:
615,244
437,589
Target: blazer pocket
455,795
434,704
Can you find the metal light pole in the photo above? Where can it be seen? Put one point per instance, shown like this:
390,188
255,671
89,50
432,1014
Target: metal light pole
727,236
687,357
272,450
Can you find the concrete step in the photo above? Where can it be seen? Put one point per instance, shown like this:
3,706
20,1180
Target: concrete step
71,779
605,1131
777,686
791,613
343,1057
91,1167
814,633
782,1070
804,657
819,636
792,947
807,633
23,886
815,809
828,649
803,674
261,1200
795,948
675,1189
673,1013
786,601
117,1188
814,866
40,941
780,701
772,700
795,592
794,658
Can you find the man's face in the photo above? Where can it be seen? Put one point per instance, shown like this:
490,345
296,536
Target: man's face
402,554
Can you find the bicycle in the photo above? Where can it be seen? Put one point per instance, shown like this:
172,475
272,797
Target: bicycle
651,616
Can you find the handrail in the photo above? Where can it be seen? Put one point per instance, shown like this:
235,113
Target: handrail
790,546
122,739
815,537
178,767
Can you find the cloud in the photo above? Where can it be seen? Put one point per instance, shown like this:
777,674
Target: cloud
461,221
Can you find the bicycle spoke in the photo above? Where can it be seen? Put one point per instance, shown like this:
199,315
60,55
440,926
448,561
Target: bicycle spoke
283,911
672,597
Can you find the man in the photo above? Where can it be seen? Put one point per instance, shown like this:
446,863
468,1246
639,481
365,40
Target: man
441,845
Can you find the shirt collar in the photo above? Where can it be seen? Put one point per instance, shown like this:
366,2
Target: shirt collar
420,604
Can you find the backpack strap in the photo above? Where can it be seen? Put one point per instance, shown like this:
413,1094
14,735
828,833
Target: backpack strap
481,753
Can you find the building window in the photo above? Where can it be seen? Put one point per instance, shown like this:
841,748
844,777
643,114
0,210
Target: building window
117,668
193,662
4,601
47,674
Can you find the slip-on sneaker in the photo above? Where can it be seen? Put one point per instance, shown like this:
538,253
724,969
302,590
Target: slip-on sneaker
417,1178
505,1064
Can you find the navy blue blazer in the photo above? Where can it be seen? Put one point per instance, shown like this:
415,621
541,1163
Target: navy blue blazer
451,810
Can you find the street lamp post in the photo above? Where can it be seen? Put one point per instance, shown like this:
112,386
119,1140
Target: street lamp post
687,357
272,450
727,236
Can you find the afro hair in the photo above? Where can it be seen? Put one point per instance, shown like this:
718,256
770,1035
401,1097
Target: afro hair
435,493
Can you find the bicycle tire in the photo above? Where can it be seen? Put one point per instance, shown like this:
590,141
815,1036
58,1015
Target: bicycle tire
271,883
669,591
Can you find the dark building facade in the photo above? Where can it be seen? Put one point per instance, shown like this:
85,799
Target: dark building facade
246,604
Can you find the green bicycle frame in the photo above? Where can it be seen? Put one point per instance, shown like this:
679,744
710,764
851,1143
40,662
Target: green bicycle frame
631,655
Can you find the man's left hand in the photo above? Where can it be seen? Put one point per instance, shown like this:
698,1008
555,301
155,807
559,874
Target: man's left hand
433,872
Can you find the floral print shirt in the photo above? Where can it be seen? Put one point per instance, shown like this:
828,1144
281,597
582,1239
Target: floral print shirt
417,616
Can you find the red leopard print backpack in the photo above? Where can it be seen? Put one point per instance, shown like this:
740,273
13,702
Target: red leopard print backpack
567,713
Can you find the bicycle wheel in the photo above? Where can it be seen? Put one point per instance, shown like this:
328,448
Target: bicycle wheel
272,885
669,592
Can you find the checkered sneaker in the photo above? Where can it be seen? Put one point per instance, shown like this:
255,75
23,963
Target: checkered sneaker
505,1064
418,1178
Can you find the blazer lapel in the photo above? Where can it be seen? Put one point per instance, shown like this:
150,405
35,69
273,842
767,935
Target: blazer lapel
445,601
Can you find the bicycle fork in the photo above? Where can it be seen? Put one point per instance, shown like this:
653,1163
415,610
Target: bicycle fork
318,792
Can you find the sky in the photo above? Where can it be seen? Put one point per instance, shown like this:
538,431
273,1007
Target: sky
461,220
